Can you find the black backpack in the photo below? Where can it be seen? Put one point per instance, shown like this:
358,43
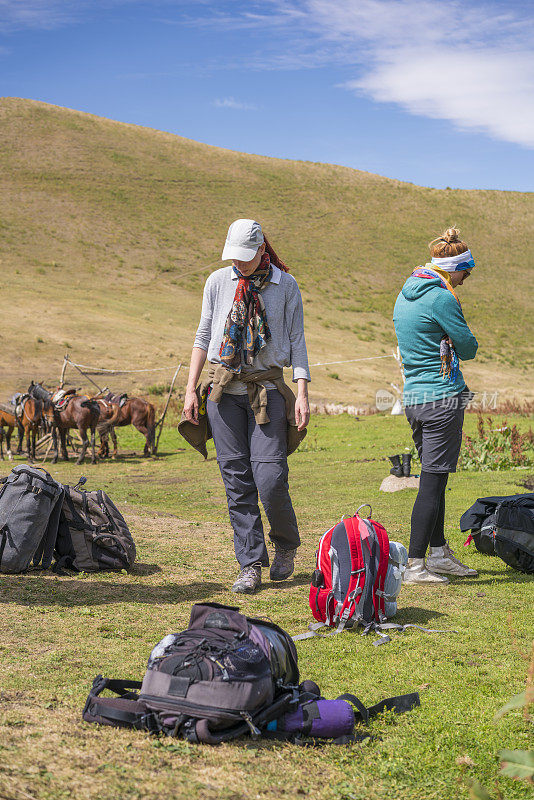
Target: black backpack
503,527
30,505
227,675
93,534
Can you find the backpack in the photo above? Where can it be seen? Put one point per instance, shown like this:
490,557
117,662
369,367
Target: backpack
357,580
226,676
348,584
93,534
30,505
503,527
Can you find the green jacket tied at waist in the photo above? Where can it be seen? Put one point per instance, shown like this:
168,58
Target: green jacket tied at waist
219,377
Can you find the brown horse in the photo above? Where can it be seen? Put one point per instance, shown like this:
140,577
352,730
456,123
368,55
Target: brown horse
137,412
79,412
9,421
31,416
107,410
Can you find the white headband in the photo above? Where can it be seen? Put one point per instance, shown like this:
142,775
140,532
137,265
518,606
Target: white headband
455,263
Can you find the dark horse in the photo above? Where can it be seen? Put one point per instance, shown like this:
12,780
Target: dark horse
135,411
80,412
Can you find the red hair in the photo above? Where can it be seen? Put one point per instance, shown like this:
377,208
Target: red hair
274,258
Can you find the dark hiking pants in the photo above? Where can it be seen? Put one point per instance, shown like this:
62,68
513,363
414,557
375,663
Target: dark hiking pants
252,459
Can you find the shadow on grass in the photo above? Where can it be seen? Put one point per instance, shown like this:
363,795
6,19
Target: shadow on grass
145,569
505,574
416,615
76,592
297,580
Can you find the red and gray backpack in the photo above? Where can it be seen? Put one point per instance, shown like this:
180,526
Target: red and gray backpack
347,587
354,582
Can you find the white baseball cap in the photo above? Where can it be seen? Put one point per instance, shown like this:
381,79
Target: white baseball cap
242,241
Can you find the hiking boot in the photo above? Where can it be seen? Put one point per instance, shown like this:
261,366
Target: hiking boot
283,564
416,572
397,466
249,580
406,464
442,560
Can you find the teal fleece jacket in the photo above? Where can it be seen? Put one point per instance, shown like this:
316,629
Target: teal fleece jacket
423,312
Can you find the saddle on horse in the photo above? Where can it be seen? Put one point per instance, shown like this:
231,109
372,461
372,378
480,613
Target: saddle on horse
62,397
116,399
16,405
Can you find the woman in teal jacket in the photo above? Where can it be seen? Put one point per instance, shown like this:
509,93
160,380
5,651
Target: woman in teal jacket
433,337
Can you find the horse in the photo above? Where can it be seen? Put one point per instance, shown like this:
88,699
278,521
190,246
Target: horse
107,410
30,419
134,411
9,421
80,412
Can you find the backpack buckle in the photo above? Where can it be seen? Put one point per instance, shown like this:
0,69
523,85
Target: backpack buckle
254,731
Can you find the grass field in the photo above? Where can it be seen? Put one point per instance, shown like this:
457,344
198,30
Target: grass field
57,633
108,232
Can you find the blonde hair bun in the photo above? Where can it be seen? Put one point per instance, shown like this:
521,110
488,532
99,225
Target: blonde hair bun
451,235
448,244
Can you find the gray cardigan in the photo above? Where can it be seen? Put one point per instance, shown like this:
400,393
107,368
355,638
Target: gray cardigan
285,317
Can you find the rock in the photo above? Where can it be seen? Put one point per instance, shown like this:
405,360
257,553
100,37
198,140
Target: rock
393,484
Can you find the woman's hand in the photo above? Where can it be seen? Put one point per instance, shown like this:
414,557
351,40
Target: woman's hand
198,359
191,406
302,407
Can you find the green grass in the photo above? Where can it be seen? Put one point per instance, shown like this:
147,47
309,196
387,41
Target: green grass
108,231
59,632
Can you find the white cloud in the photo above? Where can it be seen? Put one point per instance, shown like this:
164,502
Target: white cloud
231,102
470,63
490,91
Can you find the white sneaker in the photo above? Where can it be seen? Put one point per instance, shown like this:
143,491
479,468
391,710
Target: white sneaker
416,572
442,560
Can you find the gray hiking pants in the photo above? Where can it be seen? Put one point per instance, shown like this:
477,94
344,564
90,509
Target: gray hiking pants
252,459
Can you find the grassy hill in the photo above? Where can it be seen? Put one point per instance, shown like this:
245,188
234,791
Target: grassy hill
108,231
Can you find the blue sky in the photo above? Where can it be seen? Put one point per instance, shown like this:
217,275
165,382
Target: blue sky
436,93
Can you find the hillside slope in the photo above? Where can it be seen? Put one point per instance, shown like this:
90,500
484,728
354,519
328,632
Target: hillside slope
108,231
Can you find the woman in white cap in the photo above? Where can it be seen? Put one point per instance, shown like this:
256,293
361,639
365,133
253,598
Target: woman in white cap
433,337
251,327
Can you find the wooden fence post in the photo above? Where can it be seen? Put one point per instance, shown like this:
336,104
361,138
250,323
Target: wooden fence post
62,378
161,420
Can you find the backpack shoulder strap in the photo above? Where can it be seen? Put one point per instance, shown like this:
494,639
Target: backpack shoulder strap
380,581
398,704
124,711
45,552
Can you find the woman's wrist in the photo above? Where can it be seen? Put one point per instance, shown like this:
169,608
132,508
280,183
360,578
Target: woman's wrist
302,388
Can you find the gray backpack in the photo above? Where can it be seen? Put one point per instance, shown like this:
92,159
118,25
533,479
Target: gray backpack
30,505
93,534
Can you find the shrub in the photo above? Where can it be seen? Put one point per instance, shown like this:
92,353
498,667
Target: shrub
495,448
158,389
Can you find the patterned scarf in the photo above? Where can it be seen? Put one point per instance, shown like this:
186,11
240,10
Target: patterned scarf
246,329
450,363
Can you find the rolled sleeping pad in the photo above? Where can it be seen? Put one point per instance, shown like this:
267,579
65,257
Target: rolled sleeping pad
326,719
398,558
